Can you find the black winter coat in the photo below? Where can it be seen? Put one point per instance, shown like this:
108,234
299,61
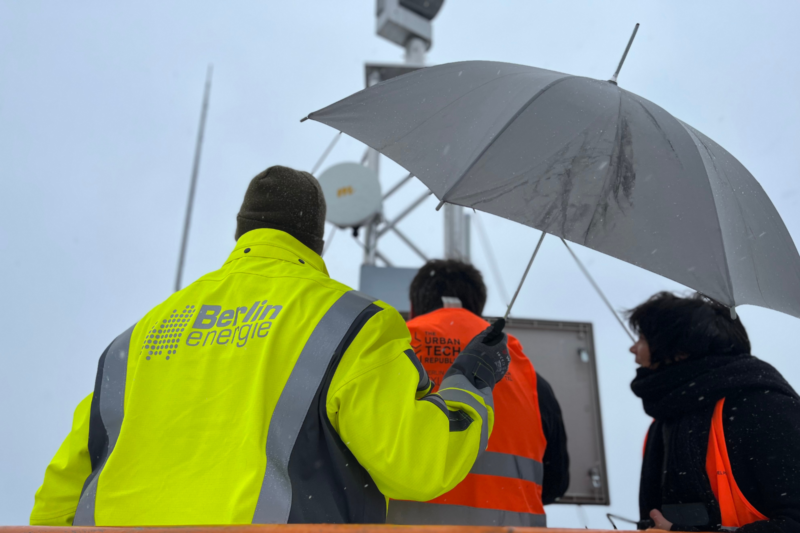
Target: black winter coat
556,457
761,422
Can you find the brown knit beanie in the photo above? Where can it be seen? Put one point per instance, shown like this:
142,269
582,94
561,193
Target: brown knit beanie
288,200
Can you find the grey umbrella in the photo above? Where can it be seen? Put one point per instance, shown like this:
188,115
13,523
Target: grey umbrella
587,161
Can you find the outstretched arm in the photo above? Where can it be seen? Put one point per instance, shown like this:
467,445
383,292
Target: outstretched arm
413,449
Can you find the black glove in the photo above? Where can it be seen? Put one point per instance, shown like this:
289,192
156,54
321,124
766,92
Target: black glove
485,360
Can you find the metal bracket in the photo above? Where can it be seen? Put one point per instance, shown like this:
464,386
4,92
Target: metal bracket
594,473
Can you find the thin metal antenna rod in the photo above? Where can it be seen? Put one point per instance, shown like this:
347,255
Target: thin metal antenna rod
599,291
195,170
525,275
325,154
621,61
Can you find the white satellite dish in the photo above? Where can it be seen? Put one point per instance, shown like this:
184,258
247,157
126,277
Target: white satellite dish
352,192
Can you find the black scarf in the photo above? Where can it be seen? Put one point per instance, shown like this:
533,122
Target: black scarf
681,398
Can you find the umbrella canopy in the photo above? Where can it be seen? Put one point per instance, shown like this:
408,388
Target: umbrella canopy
587,161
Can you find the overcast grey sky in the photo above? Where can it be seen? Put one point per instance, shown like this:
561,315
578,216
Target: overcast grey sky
99,104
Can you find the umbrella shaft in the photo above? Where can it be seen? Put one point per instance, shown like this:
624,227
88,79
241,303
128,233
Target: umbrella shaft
525,275
599,291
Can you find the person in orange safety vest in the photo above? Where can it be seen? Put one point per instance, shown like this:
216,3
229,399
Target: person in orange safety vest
526,464
721,453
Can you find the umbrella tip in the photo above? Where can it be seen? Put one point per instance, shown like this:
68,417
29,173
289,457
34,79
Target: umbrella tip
733,312
440,205
303,119
624,55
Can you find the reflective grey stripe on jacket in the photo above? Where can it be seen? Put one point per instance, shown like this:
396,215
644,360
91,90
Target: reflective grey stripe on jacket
422,513
424,380
112,411
275,498
487,463
458,381
490,464
508,465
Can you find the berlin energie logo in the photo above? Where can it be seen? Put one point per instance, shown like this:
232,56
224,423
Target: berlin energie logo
167,335
234,326
211,326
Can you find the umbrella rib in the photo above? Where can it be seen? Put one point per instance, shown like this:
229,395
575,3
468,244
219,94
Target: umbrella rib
655,123
450,104
424,121
597,288
500,190
613,166
697,141
499,134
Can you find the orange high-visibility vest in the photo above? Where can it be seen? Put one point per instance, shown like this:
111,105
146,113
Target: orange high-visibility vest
736,511
504,487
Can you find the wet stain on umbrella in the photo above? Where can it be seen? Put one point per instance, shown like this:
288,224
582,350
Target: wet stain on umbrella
571,193
575,206
620,178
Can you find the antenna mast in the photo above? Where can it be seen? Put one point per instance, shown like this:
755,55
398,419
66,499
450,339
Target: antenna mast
195,170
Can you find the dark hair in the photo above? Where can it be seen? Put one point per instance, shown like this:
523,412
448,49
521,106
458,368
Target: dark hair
447,277
695,327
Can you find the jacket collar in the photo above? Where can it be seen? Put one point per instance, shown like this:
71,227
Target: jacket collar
276,244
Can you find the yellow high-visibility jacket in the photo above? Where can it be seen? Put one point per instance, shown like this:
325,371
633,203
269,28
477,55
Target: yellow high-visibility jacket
264,392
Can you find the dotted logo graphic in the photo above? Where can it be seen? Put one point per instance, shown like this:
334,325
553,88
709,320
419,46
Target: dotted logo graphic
166,336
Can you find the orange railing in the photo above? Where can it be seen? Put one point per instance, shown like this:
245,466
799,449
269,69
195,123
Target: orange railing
295,528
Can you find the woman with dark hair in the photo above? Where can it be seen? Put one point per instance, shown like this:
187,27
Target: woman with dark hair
722,452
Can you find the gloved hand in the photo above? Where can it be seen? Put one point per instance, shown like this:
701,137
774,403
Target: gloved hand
485,359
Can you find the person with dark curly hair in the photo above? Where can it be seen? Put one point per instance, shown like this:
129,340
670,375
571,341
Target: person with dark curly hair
721,453
526,465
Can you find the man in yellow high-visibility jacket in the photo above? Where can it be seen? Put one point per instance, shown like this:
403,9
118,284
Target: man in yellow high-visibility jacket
266,392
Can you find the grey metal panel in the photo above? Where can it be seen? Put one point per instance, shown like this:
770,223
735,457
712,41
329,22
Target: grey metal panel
388,284
555,347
